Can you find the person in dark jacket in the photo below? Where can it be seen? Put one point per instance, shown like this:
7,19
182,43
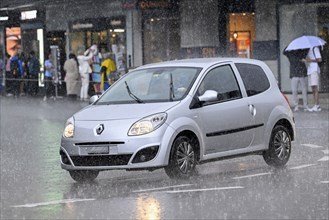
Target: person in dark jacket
298,75
2,68
16,70
8,76
33,70
23,81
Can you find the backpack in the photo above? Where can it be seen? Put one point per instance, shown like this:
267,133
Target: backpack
14,68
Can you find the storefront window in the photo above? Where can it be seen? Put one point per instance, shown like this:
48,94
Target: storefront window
108,34
78,40
13,40
242,32
103,39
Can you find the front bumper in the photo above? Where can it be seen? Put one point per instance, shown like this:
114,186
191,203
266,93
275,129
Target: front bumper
115,150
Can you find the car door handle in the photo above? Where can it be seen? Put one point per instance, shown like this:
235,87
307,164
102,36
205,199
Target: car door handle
252,109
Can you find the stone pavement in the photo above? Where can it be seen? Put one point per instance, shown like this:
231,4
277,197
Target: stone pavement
323,99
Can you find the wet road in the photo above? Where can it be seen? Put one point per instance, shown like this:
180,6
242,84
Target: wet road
33,186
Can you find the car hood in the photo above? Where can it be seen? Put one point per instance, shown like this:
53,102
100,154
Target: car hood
122,111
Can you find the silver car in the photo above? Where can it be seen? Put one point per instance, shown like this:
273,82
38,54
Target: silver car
175,115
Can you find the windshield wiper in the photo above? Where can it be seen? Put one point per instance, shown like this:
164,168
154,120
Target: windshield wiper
132,95
171,94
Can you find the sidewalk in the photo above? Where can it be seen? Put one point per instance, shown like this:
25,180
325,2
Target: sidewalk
323,99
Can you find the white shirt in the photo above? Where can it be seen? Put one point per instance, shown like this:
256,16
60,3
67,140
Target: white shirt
84,67
313,66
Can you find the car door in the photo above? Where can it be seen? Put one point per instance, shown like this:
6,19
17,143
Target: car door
227,122
257,89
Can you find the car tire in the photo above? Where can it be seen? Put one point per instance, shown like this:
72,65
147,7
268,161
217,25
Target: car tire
84,175
183,158
279,147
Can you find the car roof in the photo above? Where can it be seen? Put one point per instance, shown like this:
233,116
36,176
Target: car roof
200,62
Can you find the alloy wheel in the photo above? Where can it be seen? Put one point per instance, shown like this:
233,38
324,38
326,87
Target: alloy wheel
281,144
185,157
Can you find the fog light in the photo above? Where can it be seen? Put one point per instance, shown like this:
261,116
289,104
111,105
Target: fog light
146,154
64,158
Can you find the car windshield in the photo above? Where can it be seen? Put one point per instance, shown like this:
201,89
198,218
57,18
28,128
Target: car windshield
162,84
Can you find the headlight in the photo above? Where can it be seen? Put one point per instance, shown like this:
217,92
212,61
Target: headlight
148,124
69,128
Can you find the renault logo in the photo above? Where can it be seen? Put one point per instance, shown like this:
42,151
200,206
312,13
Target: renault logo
99,129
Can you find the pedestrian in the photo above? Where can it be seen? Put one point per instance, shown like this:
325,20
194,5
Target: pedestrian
48,79
298,76
22,83
71,67
33,75
16,71
8,76
108,72
85,70
312,61
2,68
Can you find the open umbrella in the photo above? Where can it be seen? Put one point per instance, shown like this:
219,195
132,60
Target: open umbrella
305,42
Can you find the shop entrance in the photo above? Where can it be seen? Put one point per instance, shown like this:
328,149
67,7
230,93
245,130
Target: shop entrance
241,34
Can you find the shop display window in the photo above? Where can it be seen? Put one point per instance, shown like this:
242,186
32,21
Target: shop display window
13,40
242,29
240,43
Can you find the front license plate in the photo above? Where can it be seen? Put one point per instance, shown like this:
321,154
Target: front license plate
95,150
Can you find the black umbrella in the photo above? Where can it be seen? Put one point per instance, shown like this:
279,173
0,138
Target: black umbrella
297,66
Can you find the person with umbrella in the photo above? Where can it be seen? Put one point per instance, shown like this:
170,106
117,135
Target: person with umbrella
298,75
312,61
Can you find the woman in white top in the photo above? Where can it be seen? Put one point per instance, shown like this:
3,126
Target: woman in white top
84,70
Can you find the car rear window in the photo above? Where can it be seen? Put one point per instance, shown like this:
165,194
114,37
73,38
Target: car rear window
254,78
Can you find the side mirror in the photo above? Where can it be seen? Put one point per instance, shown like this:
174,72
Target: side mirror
93,99
208,96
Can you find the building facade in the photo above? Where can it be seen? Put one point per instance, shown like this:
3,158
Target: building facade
146,31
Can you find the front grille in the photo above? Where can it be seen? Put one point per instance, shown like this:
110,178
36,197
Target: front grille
103,160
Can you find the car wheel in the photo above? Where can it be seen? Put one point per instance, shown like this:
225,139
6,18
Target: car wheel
84,175
279,147
182,159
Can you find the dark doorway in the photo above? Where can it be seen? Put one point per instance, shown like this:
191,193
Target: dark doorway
323,24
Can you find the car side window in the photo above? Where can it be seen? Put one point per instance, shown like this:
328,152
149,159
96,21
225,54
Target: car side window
253,77
222,80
